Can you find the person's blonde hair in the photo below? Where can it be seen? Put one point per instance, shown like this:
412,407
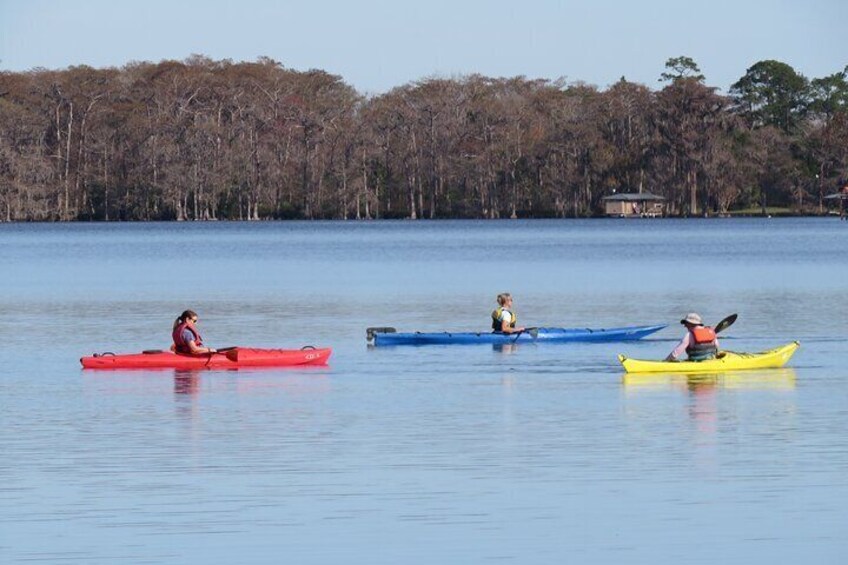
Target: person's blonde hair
502,298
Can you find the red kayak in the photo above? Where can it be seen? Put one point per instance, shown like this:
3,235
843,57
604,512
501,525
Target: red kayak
231,359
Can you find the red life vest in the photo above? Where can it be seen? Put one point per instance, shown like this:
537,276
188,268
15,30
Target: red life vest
179,343
702,343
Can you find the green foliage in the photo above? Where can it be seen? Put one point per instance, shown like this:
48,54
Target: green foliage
829,95
772,93
758,211
284,211
681,68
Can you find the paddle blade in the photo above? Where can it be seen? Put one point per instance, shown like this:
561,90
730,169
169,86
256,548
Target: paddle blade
230,353
534,333
726,323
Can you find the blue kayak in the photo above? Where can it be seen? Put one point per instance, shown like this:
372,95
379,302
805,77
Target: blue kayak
388,336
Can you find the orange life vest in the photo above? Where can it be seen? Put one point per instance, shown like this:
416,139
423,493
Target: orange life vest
702,343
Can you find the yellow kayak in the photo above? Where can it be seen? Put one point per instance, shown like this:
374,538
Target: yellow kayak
728,361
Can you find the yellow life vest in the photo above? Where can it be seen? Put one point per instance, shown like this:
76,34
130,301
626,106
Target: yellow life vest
497,319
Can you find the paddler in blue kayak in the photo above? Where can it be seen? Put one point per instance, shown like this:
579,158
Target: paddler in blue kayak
503,317
700,342
187,339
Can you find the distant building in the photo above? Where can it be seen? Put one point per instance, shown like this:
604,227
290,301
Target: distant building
634,205
842,197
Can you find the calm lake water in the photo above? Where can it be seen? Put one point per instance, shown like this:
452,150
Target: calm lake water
537,454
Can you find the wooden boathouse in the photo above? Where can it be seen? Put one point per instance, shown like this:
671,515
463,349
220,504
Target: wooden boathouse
634,205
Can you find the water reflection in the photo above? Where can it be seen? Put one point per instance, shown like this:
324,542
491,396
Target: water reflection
700,382
202,382
709,407
505,348
187,385
186,382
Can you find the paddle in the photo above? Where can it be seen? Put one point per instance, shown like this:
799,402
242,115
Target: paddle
221,350
721,326
726,323
534,332
157,351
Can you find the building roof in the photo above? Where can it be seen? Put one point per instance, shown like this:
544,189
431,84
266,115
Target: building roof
633,197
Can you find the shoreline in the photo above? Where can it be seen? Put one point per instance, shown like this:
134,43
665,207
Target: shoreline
731,216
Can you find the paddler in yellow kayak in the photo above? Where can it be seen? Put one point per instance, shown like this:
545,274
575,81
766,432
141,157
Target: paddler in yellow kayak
503,317
700,342
187,339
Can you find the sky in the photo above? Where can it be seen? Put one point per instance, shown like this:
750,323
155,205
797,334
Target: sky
376,45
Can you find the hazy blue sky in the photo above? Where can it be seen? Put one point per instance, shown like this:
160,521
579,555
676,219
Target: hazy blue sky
378,44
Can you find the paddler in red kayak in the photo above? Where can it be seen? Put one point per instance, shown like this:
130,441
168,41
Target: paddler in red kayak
700,342
503,317
187,339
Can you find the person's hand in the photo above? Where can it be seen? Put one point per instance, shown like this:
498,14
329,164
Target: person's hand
521,329
213,350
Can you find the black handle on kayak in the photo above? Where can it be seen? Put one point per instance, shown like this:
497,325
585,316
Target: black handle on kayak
371,332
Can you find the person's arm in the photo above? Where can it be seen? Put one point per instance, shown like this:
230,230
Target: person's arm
192,345
719,352
195,350
680,349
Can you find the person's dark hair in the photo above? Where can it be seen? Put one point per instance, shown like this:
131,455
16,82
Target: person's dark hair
183,317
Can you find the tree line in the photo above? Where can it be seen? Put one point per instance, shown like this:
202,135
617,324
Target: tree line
201,139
